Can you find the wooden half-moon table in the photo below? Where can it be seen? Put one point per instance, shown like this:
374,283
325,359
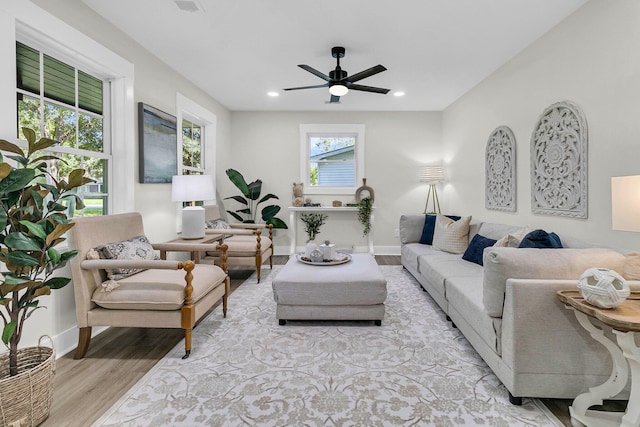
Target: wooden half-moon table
625,322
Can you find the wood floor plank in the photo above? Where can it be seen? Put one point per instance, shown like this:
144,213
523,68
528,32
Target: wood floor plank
119,357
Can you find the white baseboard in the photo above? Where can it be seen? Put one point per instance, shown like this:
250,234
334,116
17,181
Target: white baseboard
67,341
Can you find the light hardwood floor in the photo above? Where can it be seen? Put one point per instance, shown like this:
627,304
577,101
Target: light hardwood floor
119,357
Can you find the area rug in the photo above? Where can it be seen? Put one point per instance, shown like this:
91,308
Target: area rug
245,370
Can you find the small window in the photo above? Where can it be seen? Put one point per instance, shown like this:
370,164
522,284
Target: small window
331,158
192,140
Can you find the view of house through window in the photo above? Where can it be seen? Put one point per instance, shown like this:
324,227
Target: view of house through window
332,160
192,139
61,102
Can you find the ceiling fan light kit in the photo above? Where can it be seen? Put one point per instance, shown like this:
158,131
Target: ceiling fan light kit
339,82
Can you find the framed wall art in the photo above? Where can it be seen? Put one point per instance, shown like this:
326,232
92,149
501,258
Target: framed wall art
158,144
500,170
559,162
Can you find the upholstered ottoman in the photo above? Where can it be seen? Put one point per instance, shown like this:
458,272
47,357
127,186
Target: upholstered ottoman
355,290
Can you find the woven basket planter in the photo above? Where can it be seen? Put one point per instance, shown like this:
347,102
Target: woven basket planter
25,399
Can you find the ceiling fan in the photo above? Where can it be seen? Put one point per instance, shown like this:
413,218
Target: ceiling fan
338,82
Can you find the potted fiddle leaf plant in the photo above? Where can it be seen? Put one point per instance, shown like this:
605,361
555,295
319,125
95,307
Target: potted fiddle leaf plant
33,221
250,200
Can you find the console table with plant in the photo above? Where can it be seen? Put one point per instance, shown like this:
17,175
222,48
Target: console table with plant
296,212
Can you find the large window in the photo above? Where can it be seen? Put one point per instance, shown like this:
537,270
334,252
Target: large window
332,158
61,102
192,147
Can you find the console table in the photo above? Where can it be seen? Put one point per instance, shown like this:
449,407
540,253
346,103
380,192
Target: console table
625,322
294,212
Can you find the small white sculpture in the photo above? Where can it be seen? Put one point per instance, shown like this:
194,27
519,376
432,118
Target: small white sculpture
603,287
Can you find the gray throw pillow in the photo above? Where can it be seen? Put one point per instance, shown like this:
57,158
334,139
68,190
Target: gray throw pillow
136,248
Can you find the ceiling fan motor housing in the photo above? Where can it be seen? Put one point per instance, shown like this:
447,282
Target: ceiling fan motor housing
338,74
337,52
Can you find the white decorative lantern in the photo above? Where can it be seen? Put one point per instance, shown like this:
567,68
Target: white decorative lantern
603,287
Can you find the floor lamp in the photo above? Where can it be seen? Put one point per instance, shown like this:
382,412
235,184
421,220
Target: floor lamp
192,188
432,174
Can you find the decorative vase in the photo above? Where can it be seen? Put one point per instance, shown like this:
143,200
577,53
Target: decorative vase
364,191
310,247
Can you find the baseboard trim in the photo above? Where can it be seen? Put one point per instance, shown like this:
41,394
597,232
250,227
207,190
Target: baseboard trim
67,341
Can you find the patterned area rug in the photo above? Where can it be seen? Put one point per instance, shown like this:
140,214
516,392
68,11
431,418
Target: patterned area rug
414,370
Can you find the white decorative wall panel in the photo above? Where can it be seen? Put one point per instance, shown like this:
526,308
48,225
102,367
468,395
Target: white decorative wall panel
559,162
500,170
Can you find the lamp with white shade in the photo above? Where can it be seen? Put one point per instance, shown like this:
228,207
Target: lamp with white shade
625,203
432,174
192,188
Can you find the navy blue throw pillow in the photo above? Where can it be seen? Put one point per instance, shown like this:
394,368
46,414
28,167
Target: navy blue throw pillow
542,240
430,226
476,247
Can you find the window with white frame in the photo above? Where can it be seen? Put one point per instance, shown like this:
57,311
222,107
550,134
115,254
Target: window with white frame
332,158
192,147
59,101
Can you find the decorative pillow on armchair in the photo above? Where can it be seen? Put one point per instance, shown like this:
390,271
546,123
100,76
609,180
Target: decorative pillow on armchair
136,248
217,224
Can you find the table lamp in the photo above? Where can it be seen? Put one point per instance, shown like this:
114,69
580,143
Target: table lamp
432,174
625,203
192,188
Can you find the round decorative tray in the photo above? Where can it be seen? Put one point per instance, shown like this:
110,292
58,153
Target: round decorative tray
341,259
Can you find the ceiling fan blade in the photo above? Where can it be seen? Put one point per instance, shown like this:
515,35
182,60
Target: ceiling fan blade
351,86
334,99
366,73
315,72
307,87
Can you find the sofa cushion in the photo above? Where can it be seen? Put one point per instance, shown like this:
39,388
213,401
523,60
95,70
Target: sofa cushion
429,227
158,289
438,267
464,294
476,248
451,236
497,231
631,269
411,228
411,252
541,239
501,264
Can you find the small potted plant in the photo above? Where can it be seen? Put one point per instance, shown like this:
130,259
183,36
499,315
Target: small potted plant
33,221
312,223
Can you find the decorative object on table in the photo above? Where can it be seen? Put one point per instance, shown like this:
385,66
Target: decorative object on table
336,203
312,222
603,287
310,247
33,220
316,255
500,170
192,189
340,258
364,191
559,162
432,175
250,200
312,205
625,204
158,145
297,194
364,214
328,250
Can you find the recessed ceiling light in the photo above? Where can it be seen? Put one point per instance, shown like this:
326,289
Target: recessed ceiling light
273,94
398,94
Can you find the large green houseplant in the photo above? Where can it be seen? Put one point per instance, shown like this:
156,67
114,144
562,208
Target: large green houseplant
250,199
33,222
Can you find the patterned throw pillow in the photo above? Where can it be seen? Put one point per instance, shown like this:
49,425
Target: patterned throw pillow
136,248
217,224
451,236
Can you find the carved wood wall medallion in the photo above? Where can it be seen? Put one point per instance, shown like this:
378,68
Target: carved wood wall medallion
559,162
500,170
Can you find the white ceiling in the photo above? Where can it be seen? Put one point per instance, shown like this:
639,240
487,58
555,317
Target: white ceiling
238,50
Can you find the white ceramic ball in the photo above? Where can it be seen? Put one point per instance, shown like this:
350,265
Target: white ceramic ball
603,287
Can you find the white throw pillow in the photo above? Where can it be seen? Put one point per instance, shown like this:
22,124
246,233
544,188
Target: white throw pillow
513,240
451,236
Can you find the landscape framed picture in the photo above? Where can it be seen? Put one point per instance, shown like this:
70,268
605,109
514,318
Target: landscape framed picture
158,144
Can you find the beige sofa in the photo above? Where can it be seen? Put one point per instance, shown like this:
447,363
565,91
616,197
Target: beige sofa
508,309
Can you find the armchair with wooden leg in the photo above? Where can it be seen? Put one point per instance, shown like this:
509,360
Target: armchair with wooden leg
246,243
118,281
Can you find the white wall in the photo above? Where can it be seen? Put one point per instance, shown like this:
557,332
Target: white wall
266,145
592,58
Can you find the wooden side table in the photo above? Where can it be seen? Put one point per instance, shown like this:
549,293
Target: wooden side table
625,322
193,246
